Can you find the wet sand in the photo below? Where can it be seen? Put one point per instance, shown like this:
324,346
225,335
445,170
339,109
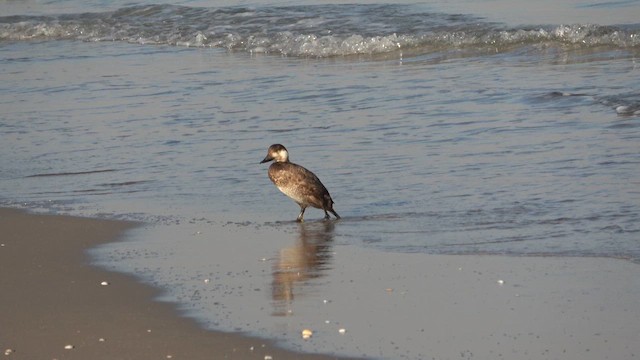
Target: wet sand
52,299
274,280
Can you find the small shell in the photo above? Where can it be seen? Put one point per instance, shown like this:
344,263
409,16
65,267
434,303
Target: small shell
342,331
104,283
500,282
268,357
306,334
68,347
8,352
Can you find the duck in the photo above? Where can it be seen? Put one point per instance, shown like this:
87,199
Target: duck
298,183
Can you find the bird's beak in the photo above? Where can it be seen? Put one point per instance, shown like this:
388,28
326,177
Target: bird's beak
266,159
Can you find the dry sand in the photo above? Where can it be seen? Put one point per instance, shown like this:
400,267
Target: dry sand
51,298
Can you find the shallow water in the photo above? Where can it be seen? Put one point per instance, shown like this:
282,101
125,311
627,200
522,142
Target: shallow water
436,130
474,154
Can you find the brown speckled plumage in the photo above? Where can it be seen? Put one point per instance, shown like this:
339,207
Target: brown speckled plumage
298,183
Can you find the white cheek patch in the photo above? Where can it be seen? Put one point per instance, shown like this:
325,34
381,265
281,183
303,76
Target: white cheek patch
282,155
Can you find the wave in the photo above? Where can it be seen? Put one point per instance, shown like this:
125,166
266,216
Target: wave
315,31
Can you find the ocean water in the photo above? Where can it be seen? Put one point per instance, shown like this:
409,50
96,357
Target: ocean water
455,127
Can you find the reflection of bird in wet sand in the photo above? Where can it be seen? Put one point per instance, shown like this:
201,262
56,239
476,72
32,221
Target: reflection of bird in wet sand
303,261
298,183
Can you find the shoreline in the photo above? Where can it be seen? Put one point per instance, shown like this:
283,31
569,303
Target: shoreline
407,305
54,305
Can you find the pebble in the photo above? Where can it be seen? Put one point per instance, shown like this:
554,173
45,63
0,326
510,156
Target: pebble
500,282
268,357
306,334
68,347
8,352
104,283
206,281
342,331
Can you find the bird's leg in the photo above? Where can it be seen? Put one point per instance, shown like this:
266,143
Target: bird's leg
334,213
326,214
301,216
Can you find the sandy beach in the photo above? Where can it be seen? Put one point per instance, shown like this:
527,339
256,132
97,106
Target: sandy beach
484,161
54,306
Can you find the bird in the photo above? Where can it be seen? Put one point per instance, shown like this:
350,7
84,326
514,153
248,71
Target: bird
298,183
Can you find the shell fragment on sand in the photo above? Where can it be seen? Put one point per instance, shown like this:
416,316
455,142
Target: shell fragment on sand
307,333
